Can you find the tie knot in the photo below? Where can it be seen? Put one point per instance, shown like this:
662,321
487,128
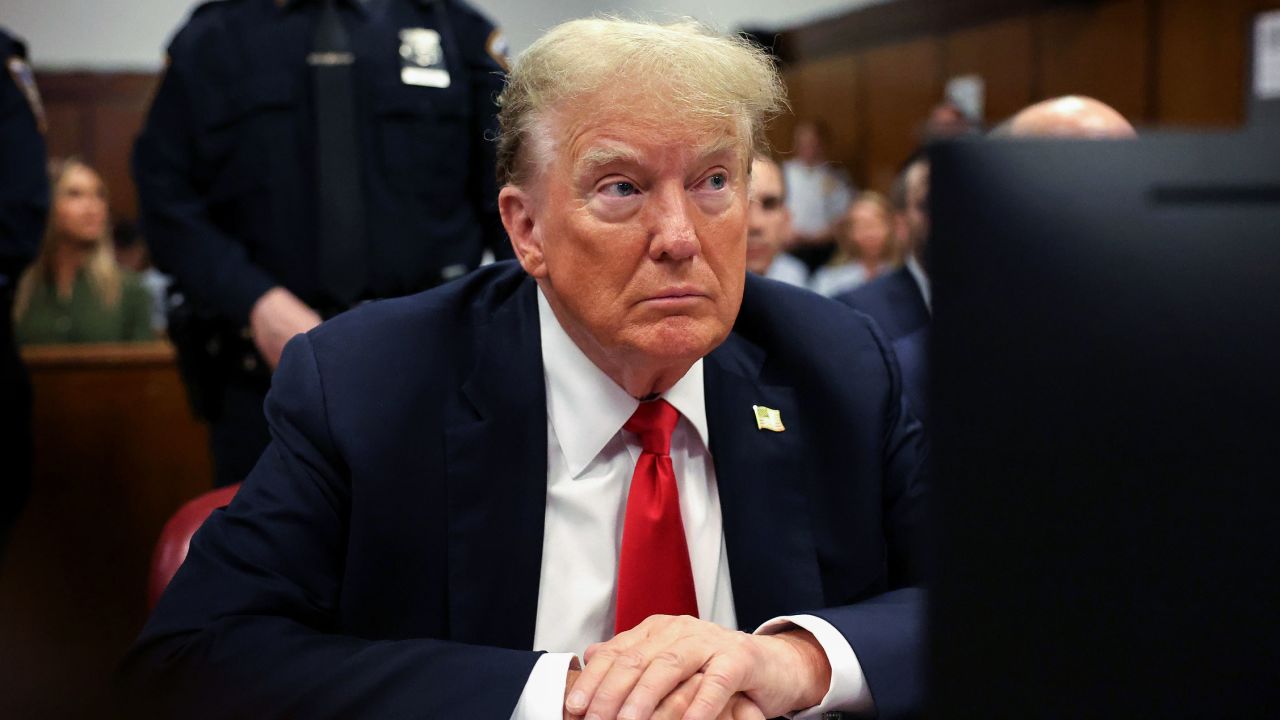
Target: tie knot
653,421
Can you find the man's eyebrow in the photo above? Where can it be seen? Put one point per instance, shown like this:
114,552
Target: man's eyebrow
602,155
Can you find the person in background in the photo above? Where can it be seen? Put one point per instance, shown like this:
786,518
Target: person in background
1070,116
818,194
948,120
132,254
301,157
769,226
75,292
24,203
900,301
866,247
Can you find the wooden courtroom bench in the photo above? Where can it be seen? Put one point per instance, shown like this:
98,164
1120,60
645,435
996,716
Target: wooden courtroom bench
116,452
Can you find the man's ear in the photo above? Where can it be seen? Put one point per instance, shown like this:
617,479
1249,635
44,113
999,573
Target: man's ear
517,210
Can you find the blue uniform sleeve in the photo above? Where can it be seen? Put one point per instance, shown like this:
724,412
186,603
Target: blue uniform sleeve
214,268
484,52
24,183
247,628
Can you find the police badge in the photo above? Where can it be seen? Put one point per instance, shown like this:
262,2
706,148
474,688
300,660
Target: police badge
422,58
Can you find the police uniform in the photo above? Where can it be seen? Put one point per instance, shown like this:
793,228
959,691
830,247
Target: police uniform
226,174
24,203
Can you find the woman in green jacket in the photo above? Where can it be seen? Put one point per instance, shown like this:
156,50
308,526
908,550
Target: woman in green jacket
75,292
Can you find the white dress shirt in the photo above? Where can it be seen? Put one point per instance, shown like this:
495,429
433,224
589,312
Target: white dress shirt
817,195
590,460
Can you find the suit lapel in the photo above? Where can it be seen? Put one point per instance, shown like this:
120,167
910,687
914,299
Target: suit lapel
496,455
760,476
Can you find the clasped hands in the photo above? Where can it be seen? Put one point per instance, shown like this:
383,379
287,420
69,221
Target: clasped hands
682,668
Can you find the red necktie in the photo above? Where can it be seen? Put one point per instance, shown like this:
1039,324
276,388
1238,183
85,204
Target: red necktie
654,575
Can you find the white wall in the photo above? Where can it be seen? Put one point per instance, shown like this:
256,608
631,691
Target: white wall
131,34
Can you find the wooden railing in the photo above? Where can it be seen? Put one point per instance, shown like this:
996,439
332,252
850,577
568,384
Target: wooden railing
116,452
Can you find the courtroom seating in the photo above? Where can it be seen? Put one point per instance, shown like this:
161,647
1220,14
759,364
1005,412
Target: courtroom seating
175,538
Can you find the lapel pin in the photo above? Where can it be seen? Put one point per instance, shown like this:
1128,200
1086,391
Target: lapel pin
768,418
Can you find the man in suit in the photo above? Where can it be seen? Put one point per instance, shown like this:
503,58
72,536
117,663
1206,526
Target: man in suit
624,448
900,301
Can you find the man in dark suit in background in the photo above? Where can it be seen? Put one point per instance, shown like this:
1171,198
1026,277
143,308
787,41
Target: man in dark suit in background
900,301
624,445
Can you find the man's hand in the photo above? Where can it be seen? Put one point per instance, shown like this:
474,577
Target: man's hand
695,670
275,319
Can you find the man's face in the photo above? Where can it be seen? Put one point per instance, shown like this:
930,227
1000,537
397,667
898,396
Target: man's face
638,224
917,212
769,221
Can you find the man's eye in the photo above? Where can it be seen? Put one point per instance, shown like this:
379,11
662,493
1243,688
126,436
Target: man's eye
717,181
622,188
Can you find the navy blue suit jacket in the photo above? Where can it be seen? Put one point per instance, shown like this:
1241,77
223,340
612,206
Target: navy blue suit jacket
897,305
383,558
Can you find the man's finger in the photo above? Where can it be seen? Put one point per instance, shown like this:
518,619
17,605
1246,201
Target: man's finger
674,650
721,678
599,658
677,701
741,708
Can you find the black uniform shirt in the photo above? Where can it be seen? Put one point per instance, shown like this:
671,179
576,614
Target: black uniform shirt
225,166
24,184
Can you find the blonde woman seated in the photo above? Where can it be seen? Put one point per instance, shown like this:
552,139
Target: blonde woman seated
75,292
866,247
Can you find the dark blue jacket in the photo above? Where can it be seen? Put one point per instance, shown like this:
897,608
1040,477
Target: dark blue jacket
897,305
225,165
383,558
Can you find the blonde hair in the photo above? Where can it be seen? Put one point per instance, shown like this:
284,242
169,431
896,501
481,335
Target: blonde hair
893,250
698,73
105,278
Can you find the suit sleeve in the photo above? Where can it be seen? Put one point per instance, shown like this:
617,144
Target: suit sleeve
210,265
887,632
247,627
24,184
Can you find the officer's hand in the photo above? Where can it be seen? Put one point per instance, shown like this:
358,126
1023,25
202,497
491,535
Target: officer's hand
275,319
635,672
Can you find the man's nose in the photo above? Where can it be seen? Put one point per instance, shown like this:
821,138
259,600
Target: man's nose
673,232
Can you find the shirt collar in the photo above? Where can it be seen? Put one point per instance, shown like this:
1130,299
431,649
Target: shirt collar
922,280
586,408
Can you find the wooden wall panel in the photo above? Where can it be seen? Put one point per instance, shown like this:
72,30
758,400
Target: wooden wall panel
97,116
1001,53
115,126
900,85
1100,50
1201,61
828,90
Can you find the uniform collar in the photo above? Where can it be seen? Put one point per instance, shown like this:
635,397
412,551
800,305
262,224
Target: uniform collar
587,408
364,7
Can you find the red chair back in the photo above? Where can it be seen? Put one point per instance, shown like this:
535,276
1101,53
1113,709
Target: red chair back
175,538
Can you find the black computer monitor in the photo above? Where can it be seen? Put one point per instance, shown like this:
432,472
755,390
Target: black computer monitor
1106,428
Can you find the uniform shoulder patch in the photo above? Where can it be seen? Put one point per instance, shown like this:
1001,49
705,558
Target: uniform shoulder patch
497,48
25,79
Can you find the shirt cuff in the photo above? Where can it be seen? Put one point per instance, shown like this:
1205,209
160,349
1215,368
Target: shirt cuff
848,691
543,695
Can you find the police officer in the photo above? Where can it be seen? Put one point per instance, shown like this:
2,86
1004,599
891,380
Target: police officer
302,156
24,203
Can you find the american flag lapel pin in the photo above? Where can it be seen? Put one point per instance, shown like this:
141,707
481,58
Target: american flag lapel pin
767,418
